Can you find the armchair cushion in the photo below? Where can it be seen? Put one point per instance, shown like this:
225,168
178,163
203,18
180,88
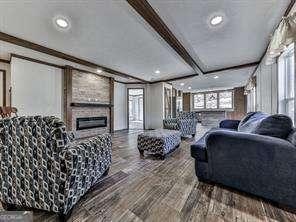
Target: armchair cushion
185,123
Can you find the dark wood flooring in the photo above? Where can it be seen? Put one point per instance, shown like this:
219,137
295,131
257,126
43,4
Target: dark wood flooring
167,190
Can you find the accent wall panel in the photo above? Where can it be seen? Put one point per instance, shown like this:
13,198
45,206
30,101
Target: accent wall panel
120,106
36,88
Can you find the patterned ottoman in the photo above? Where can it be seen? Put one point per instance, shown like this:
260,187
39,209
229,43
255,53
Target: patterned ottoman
159,141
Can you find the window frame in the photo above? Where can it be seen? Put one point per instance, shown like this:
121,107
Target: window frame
218,101
204,101
283,98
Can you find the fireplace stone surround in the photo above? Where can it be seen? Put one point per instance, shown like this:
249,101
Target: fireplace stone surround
87,95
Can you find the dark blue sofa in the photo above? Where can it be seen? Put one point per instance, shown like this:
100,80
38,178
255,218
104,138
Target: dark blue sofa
256,155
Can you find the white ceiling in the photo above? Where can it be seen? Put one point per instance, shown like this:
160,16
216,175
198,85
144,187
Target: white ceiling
109,33
6,49
241,38
112,34
227,79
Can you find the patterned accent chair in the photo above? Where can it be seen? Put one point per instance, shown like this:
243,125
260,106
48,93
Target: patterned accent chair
185,123
42,168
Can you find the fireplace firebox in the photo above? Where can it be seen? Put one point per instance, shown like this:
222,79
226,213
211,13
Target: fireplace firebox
91,122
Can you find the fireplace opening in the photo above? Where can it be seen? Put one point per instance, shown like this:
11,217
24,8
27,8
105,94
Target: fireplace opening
91,122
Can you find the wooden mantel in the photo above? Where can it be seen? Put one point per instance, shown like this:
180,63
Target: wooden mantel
83,104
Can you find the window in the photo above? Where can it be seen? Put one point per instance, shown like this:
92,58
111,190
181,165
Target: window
225,100
199,101
287,82
211,100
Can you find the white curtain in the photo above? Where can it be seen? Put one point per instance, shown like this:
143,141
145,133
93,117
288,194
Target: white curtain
283,36
250,85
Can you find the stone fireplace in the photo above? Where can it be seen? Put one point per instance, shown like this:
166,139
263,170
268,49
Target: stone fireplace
89,103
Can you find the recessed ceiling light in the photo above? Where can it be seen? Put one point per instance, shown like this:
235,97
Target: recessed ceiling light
157,71
216,20
182,83
216,77
61,22
99,70
189,87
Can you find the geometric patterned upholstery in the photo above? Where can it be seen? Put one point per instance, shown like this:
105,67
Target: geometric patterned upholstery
159,141
185,122
41,166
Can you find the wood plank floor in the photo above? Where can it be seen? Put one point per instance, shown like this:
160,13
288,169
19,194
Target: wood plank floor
150,189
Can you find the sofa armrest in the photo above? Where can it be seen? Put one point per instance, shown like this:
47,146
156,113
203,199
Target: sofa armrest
229,124
258,164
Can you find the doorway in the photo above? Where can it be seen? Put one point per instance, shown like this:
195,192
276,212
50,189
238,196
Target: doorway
2,87
135,108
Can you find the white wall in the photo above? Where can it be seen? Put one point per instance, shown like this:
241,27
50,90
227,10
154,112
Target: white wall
156,106
267,89
251,101
36,88
120,106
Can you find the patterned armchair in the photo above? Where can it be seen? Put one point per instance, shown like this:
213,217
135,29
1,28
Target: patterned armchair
41,167
185,123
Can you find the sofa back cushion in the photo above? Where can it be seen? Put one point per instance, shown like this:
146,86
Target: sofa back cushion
250,122
277,125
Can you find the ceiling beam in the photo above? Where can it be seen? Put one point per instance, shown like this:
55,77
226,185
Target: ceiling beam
35,60
39,48
237,67
145,10
233,67
4,61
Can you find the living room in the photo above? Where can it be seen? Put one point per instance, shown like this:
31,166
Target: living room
144,110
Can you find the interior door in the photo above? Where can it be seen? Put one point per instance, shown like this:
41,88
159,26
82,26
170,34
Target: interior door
2,88
136,108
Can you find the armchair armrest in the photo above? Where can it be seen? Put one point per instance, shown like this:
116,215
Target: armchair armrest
258,164
91,149
229,124
81,165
